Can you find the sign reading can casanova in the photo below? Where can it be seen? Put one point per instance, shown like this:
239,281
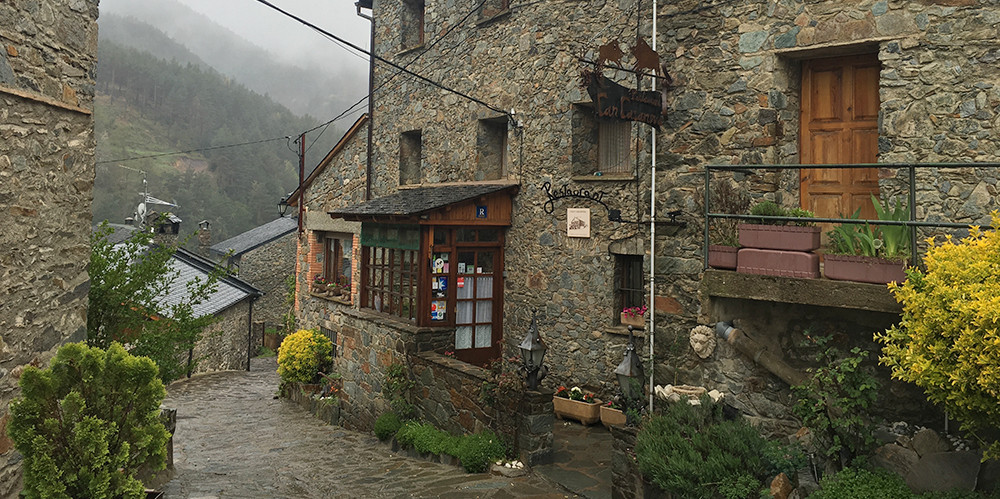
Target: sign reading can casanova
612,100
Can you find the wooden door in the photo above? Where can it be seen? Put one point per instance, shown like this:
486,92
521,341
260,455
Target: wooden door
478,305
839,124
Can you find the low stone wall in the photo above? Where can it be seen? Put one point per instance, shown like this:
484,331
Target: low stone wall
308,397
626,480
447,393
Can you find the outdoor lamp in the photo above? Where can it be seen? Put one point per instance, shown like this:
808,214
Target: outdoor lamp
282,206
629,372
532,353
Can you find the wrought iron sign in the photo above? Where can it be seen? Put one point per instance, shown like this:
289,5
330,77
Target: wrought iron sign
612,100
614,215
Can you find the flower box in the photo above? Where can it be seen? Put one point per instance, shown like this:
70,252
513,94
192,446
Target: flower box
612,417
780,237
722,257
780,263
638,321
863,269
585,412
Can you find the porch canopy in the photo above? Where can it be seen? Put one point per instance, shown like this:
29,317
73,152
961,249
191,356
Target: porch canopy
455,204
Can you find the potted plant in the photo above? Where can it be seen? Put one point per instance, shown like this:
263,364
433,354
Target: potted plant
573,403
863,253
612,414
723,238
319,284
634,316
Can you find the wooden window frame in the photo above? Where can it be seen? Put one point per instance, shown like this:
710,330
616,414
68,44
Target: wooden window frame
381,269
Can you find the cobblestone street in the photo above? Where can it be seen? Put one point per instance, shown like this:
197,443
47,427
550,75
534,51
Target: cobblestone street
234,439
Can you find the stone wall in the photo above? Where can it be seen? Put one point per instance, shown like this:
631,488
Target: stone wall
447,393
223,345
46,188
267,268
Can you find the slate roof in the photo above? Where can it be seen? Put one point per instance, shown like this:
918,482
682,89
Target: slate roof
256,237
413,202
230,290
120,232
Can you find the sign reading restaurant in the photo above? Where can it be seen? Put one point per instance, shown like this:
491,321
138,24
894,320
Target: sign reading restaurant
612,100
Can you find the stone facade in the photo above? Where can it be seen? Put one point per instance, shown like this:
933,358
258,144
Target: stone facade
47,146
223,345
735,100
267,268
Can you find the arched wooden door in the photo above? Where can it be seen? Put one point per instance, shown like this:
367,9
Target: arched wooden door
840,105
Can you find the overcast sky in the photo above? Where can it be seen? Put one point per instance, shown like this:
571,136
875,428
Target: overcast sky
286,37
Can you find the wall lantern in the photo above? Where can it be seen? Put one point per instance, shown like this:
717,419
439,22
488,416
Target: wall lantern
283,206
631,378
532,353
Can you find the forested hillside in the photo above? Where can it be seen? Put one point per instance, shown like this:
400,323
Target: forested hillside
147,106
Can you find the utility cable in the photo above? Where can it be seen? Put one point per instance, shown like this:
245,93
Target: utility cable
283,137
384,60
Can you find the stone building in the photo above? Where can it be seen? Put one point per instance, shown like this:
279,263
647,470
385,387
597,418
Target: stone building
264,257
46,182
476,204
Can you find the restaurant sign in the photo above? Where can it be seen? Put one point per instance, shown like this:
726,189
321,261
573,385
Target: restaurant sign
612,100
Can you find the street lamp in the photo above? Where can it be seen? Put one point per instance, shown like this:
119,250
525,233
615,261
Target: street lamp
630,375
282,206
532,353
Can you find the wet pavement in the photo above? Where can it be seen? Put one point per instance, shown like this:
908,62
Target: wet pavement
581,459
234,439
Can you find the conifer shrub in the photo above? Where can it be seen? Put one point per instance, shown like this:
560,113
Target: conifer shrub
302,355
88,422
387,425
948,341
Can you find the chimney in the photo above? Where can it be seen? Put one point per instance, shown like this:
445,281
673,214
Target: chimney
165,227
204,238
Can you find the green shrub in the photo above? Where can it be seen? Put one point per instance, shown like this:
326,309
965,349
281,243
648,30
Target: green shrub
690,451
947,341
479,450
476,451
387,425
862,484
87,423
302,355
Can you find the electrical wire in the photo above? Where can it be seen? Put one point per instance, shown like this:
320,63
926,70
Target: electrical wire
160,155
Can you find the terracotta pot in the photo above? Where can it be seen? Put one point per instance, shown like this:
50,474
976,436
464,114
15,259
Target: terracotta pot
611,417
722,257
779,237
586,413
638,321
780,263
863,269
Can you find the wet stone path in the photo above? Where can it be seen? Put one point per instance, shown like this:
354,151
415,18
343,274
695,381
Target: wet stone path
234,439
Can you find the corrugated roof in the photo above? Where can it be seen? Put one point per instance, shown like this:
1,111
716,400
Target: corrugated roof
257,236
230,289
413,202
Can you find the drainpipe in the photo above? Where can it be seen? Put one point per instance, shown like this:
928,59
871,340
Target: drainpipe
652,241
250,332
749,347
371,98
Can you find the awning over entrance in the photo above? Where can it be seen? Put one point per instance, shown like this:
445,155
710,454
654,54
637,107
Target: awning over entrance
474,204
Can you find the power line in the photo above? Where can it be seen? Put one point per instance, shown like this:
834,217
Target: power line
190,151
383,60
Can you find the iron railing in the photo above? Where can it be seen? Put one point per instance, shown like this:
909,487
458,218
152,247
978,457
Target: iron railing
912,223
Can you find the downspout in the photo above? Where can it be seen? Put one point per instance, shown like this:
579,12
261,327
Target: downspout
652,240
371,99
760,355
250,331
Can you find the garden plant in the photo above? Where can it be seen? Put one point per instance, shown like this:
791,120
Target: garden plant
303,355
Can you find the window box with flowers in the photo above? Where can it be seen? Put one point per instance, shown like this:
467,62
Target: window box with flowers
612,414
634,316
573,403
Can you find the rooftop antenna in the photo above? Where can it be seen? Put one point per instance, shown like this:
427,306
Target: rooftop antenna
142,209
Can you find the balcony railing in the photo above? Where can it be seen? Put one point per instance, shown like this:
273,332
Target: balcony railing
911,169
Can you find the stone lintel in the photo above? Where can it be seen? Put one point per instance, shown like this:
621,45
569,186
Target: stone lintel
817,292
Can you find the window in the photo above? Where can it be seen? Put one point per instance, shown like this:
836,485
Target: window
337,260
389,269
491,149
600,147
411,23
410,151
629,290
491,8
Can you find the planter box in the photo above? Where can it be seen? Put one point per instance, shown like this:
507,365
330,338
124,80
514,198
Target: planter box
638,321
779,237
722,257
863,269
780,263
586,413
611,417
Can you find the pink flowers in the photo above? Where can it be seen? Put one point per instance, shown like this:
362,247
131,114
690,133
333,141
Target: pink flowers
635,311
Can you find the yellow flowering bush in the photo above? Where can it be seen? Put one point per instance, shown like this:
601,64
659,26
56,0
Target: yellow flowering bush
302,354
948,341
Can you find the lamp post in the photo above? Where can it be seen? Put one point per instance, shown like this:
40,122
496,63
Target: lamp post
631,378
282,206
532,354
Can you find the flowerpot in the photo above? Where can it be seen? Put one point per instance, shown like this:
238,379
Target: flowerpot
611,417
863,269
779,237
584,412
780,263
638,321
722,257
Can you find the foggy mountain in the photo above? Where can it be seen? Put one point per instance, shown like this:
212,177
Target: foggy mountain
322,91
